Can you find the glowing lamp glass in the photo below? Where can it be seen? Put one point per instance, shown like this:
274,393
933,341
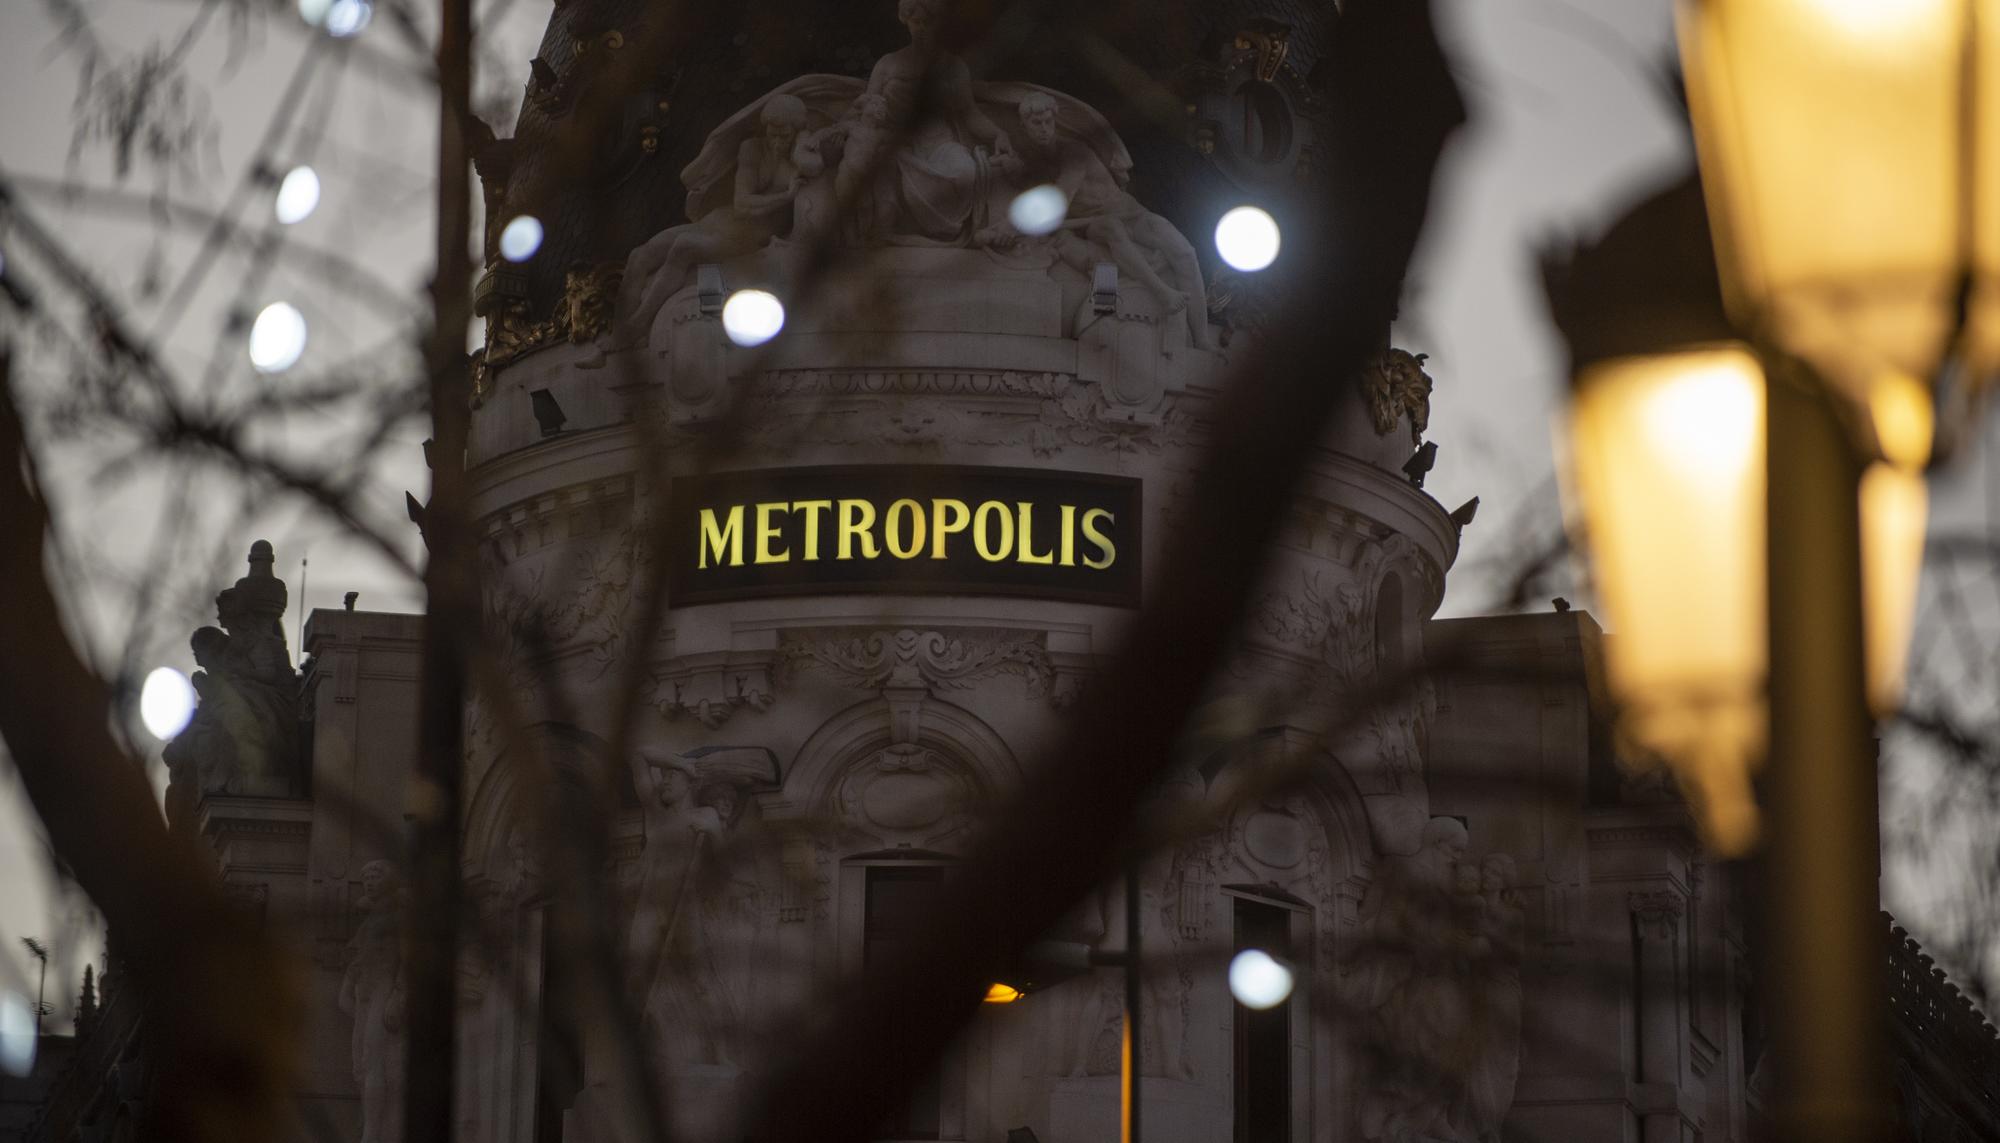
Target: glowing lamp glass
298,196
1247,238
521,238
1894,512
166,702
1002,994
752,317
1258,980
277,338
313,12
1666,479
1038,210
1837,157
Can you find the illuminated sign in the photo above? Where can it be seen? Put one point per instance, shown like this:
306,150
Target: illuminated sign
896,528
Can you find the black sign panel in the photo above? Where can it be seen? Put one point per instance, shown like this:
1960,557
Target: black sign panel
904,528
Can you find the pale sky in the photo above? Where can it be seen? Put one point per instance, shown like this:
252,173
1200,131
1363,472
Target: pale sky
1569,124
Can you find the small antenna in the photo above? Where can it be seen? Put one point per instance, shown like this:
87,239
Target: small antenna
299,630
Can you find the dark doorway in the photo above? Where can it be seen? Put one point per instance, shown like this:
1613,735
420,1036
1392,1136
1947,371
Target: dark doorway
1263,1096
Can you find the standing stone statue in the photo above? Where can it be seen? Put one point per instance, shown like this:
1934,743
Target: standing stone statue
244,736
1111,223
1497,1014
371,992
1405,982
740,192
668,949
940,166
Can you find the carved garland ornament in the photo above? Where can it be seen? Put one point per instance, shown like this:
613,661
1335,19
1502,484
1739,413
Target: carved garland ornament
932,659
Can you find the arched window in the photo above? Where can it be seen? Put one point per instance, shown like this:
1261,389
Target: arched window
1393,652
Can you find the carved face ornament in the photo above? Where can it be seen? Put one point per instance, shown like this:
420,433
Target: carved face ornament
1038,118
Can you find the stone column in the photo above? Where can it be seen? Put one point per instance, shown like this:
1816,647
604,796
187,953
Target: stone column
1656,919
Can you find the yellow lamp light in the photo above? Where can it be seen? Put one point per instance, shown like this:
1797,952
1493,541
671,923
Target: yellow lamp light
1667,473
1894,504
997,993
1851,157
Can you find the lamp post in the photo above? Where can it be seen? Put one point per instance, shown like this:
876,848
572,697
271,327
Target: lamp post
1850,157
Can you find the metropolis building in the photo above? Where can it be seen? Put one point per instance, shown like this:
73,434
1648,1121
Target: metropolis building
899,540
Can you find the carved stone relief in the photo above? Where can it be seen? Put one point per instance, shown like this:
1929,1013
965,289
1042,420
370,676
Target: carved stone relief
1437,978
371,991
1048,413
938,660
1337,629
834,160
909,793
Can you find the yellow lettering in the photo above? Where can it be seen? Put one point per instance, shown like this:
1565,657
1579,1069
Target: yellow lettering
961,515
1102,541
812,509
714,538
980,540
766,532
1028,555
856,518
1069,535
892,530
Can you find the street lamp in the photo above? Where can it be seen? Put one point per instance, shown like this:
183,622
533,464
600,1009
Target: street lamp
1851,154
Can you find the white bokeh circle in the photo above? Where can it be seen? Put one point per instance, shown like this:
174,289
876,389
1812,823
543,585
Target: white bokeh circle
752,317
298,195
1038,210
1257,980
1247,238
277,338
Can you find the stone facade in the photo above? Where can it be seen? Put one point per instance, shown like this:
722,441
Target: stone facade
1494,934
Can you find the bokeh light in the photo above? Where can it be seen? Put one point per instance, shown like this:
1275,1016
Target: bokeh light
1038,210
347,17
298,195
166,702
1257,980
752,317
277,338
521,238
1247,238
17,1034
